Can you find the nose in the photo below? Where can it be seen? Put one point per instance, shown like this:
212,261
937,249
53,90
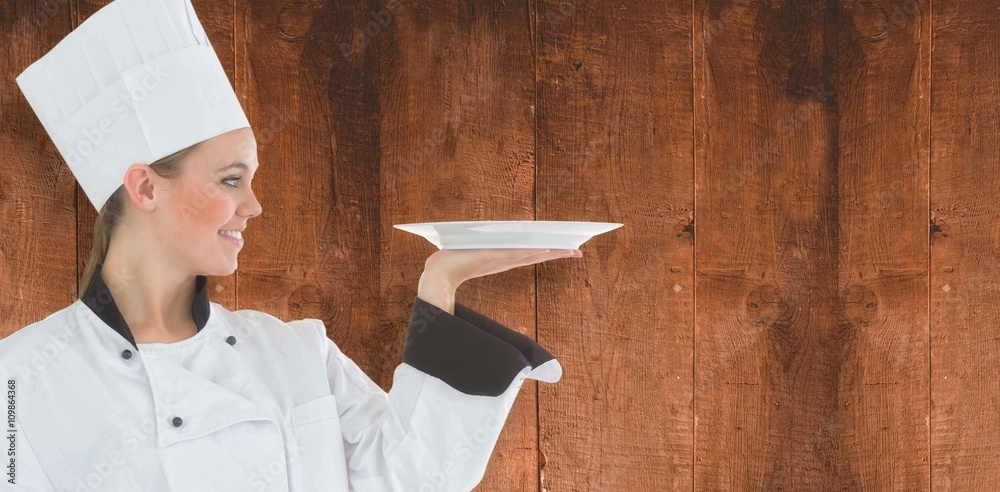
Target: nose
251,207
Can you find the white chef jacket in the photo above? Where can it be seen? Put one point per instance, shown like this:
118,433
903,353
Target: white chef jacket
254,403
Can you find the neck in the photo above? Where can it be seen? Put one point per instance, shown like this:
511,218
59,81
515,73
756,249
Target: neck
153,297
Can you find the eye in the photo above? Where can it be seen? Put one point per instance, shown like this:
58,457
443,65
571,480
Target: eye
232,178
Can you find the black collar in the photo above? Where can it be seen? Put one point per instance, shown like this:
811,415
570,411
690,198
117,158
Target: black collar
98,298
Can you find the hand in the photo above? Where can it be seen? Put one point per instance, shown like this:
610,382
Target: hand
454,266
446,269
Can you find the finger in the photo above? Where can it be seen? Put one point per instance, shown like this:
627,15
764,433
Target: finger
570,253
532,259
506,258
518,255
523,253
550,255
559,253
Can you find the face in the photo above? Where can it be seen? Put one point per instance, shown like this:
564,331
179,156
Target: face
212,195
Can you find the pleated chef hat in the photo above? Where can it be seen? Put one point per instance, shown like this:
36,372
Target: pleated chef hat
135,82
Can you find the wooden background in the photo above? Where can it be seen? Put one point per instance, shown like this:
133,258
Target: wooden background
804,294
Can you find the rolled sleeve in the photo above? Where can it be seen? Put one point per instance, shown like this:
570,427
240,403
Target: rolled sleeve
471,352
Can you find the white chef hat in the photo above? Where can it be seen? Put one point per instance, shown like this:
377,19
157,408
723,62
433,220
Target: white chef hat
135,82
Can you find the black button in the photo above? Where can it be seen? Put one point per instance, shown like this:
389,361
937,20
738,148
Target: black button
177,422
231,340
126,354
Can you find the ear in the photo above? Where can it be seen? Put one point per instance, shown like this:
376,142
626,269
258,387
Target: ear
138,182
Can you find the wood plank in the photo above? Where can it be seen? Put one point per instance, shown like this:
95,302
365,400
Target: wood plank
37,195
614,130
456,85
811,214
298,260
965,343
884,66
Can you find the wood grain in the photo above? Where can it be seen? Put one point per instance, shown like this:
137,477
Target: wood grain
313,251
965,346
811,350
614,132
37,195
456,87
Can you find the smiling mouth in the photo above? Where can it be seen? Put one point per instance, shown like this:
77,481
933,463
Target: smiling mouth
232,237
238,235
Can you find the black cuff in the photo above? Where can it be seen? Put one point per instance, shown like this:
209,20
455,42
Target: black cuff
469,351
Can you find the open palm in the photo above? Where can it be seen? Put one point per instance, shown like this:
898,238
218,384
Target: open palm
458,265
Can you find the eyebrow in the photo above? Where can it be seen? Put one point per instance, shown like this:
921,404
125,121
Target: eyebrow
239,165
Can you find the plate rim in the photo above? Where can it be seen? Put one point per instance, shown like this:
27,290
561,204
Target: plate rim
484,222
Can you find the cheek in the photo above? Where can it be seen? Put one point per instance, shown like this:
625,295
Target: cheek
203,209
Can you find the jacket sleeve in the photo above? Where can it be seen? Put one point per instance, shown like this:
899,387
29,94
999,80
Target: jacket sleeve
29,476
450,397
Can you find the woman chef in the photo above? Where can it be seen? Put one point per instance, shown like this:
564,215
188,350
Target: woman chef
143,384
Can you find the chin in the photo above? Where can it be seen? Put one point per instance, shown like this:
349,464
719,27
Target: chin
229,271
221,272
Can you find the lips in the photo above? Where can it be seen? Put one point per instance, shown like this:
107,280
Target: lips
231,237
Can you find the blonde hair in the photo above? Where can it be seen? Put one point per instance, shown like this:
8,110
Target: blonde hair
113,211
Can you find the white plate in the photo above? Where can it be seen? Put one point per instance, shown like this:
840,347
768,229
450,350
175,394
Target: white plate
508,234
